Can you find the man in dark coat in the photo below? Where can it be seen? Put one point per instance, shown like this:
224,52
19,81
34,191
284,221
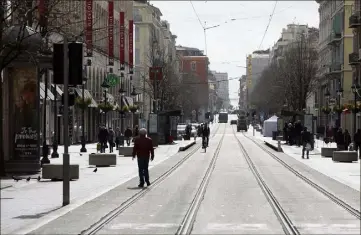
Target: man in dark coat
143,149
103,138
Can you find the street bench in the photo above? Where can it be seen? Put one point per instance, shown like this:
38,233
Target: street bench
55,171
344,156
102,159
126,151
327,151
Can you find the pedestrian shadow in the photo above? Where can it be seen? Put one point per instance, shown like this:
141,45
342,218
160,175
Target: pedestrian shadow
136,188
36,216
6,198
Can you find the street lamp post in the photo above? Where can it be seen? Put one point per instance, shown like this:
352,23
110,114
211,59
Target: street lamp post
339,94
134,95
105,86
83,148
355,87
327,95
122,113
55,153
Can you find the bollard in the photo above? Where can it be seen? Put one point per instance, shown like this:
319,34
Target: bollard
279,146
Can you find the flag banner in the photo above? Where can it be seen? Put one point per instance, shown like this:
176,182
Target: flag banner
122,40
131,28
89,27
111,32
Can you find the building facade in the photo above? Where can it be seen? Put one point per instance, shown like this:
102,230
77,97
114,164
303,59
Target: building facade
194,68
256,63
153,42
223,88
242,92
335,45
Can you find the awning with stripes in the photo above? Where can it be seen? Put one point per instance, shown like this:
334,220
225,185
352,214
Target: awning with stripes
50,95
87,95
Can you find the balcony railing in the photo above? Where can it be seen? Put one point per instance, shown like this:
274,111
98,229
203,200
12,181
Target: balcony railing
354,20
334,38
353,58
335,67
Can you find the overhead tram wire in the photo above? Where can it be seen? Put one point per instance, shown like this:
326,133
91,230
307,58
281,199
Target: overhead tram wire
269,22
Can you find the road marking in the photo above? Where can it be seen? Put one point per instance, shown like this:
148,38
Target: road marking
140,226
226,227
329,228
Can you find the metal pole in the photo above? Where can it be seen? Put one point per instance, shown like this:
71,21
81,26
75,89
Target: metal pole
55,153
154,91
45,159
354,113
66,160
105,102
121,114
83,148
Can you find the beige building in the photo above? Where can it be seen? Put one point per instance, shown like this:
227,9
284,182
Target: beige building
152,35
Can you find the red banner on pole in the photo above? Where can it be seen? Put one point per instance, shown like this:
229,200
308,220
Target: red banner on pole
89,27
122,40
111,32
130,46
42,9
155,73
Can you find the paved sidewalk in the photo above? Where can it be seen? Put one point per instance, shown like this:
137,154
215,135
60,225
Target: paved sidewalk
346,173
34,203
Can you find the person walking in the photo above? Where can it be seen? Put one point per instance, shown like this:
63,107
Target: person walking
135,132
357,142
103,137
340,140
128,135
117,138
347,138
306,142
143,150
111,136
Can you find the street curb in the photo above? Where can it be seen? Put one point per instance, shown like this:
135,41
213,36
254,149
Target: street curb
184,148
273,147
5,187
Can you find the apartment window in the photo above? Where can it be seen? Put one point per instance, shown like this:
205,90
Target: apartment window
136,34
193,66
137,56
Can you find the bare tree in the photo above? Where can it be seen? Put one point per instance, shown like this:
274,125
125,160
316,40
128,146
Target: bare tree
289,80
166,88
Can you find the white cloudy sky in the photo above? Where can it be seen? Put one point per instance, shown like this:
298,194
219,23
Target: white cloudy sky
229,44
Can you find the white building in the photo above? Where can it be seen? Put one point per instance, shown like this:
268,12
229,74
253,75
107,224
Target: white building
288,35
222,87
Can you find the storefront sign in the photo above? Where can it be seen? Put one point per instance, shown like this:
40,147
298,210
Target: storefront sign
25,116
130,33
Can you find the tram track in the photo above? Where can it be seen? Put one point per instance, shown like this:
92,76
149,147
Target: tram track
93,229
189,219
286,223
353,211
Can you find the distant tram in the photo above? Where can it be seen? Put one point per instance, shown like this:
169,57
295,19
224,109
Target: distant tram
223,117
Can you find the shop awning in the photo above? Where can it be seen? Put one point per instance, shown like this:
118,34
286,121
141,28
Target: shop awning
58,89
42,92
87,95
128,101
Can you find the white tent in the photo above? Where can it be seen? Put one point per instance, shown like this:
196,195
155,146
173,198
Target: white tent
269,126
